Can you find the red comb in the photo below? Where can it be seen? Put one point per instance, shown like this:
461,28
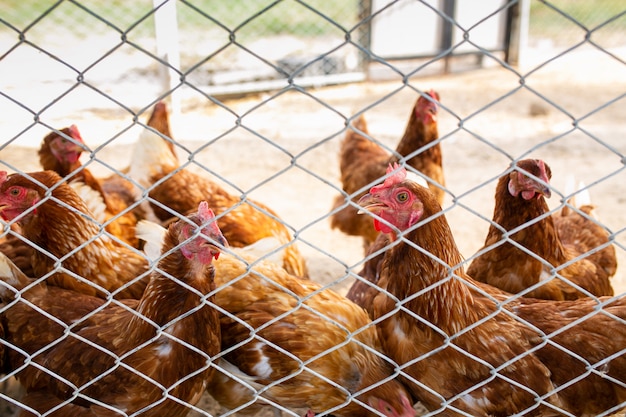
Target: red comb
432,93
205,212
75,134
396,177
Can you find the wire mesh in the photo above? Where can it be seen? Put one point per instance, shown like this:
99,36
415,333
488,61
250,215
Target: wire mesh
266,92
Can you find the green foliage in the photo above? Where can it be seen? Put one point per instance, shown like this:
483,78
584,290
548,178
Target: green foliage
558,19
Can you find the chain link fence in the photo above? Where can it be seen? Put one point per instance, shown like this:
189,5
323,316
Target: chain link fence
261,93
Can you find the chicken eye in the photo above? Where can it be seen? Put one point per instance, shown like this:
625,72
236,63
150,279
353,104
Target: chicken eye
402,197
14,192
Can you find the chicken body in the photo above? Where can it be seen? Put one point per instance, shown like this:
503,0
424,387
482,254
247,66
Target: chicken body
363,162
60,154
299,345
178,190
164,342
587,350
547,242
56,220
461,351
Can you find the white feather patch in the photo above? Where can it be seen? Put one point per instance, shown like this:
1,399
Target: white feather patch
92,198
151,156
412,176
262,368
582,197
153,234
7,270
263,247
233,370
545,275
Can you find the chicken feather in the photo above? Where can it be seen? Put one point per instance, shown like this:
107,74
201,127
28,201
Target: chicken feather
71,250
580,343
363,162
293,343
60,152
300,345
175,190
571,242
461,351
152,354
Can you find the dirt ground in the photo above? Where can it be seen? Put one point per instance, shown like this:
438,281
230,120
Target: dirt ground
281,148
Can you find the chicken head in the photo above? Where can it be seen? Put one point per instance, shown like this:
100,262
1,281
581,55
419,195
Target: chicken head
531,179
66,150
426,110
17,194
402,209
205,242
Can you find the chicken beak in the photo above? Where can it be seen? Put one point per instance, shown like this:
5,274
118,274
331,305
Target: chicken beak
369,203
223,243
543,190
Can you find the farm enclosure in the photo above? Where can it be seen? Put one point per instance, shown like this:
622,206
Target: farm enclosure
564,105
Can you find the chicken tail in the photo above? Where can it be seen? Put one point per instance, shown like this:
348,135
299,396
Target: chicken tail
268,248
12,279
360,123
153,235
580,196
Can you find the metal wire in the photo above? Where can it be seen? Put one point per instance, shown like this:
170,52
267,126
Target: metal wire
349,32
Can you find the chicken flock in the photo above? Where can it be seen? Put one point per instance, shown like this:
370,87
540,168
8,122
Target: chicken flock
138,293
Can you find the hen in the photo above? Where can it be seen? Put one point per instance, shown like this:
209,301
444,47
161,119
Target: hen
291,343
174,190
61,153
99,358
299,345
71,250
571,243
460,351
363,162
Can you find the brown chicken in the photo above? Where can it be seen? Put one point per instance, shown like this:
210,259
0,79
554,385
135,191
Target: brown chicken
164,342
571,243
363,162
177,190
71,250
299,345
276,325
61,153
460,351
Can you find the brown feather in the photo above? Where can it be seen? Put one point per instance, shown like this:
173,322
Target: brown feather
179,190
449,335
548,241
593,376
62,228
363,162
119,220
297,322
150,336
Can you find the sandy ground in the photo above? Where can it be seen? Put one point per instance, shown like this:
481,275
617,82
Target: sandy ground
281,148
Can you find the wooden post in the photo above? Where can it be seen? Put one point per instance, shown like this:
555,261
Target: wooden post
517,41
